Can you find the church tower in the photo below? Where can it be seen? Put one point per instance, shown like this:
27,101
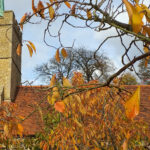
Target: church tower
10,62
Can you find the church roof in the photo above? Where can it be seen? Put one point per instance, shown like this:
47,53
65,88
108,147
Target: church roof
30,99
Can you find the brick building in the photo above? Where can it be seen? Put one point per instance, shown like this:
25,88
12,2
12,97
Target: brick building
27,97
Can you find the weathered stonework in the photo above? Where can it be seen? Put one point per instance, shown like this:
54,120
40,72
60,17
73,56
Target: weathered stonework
10,62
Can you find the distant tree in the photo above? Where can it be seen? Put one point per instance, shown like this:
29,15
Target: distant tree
144,72
128,79
92,66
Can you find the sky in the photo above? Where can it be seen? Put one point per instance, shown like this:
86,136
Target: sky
84,37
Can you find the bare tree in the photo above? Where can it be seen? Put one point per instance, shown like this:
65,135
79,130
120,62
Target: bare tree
82,60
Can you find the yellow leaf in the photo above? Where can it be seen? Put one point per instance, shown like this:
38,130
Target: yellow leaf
52,100
53,80
77,122
89,15
57,56
67,100
75,147
20,129
32,45
146,49
64,53
55,96
136,1
30,50
67,4
137,19
51,11
6,129
59,106
55,93
49,99
18,51
135,16
132,106
66,82
23,19
129,8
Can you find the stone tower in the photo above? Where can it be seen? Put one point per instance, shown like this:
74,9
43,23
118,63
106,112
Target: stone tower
10,62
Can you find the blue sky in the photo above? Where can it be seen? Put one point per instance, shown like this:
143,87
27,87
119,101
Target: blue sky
82,37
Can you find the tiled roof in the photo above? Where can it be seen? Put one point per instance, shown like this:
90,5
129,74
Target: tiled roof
29,96
29,100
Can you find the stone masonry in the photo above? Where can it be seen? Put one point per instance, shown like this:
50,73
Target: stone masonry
10,62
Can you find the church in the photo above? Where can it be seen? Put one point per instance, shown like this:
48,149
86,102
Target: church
27,98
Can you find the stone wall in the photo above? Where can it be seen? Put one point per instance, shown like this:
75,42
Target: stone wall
10,62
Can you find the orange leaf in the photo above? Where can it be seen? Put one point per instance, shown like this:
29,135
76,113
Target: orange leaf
45,146
57,56
42,144
34,9
125,145
67,4
21,117
146,50
20,129
64,53
59,106
147,30
51,1
30,50
23,19
32,45
51,12
146,61
132,106
18,51
73,9
41,9
89,15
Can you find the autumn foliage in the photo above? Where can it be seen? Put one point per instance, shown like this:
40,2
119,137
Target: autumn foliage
88,117
10,125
